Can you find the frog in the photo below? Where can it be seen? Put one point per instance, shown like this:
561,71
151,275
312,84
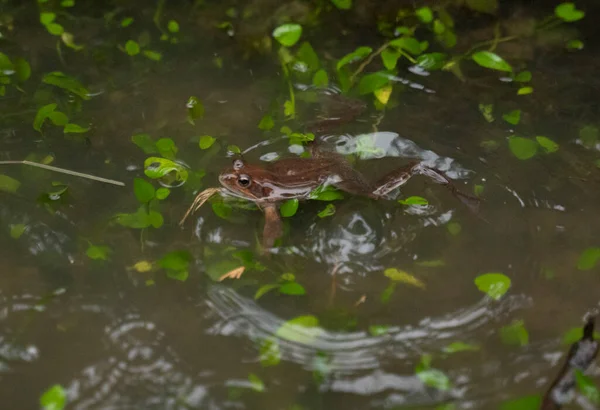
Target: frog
297,177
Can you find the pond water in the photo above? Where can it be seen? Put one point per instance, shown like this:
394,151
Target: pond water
85,302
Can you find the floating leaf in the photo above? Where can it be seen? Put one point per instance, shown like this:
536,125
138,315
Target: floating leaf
17,230
383,94
328,211
270,354
523,77
256,383
55,29
574,335
155,168
515,334
358,54
166,147
326,193
98,252
301,329
495,285
390,57
438,26
140,219
42,115
132,48
173,26
532,402
546,143
432,377
568,12
126,22
175,261
491,60
320,79
456,347
47,18
266,123
404,277
589,135
265,289
55,398
371,82
414,200
409,44
289,207
144,191
575,45
288,34
588,259
22,69
75,129
8,184
206,141
306,54
522,148
378,330
195,109
483,6
292,288
153,55
342,4
424,14
432,61
58,118
68,83
162,193
145,143
454,228
525,90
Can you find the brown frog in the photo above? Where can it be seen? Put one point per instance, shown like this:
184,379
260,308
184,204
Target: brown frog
290,178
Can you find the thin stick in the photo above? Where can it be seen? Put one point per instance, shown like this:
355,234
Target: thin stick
64,171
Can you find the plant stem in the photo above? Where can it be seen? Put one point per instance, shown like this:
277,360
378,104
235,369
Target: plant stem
64,171
368,60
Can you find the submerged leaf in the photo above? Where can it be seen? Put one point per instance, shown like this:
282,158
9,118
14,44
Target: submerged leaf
206,141
358,54
491,60
42,115
404,277
515,333
144,191
588,259
292,288
98,252
546,143
424,14
371,82
195,109
288,34
289,208
522,148
342,4
270,354
8,184
68,83
301,329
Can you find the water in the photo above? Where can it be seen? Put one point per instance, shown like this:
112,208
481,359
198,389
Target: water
116,338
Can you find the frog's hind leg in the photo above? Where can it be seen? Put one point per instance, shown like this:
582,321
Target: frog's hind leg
273,228
400,176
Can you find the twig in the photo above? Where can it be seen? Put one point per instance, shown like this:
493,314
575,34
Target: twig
64,171
368,60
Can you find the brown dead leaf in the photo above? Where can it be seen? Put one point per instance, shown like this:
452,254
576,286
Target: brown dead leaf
234,274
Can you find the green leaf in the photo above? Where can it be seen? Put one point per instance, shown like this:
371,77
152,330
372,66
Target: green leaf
388,292
478,189
206,141
409,44
320,79
126,22
98,252
256,383
342,4
546,143
167,148
483,6
145,142
328,211
358,54
435,263
173,26
8,184
155,168
55,29
270,354
589,135
515,334
162,193
75,129
326,193
144,191
390,58
265,289
430,376
22,69
588,258
575,45
438,27
55,398
301,329
132,48
525,90
289,207
432,61
513,117
195,109
378,330
17,230
587,387
180,275
371,82
41,116
175,261
424,14
68,83
67,3
574,335
292,288
487,111
456,347
532,402
522,148
138,220
288,34
495,285
153,55
266,122
568,12
6,66
58,118
307,55
454,228
414,200
397,275
47,18
523,77
491,60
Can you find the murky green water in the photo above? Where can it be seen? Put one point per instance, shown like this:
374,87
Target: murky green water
116,336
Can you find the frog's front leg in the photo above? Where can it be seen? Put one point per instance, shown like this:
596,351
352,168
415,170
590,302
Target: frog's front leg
400,176
273,225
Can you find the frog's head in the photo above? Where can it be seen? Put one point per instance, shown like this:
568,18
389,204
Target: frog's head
243,180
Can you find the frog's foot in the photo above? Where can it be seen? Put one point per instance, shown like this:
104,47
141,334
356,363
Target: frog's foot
399,177
273,228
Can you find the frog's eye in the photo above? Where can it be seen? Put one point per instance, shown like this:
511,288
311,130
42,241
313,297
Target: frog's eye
238,164
244,181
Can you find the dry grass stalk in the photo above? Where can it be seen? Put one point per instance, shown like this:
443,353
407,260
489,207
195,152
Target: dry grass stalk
200,199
